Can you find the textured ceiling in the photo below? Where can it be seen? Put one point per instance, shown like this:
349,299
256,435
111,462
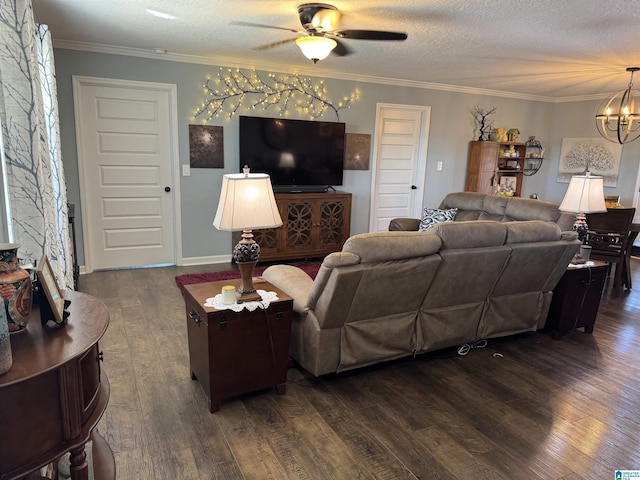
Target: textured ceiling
542,48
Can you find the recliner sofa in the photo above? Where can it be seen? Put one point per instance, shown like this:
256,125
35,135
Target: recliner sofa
480,206
388,295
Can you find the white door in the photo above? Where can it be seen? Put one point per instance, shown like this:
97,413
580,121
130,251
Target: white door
127,142
636,201
399,161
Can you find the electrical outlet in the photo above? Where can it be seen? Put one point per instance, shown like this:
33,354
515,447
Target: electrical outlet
186,170
439,166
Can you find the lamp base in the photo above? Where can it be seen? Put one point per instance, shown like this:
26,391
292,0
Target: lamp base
247,297
247,292
581,227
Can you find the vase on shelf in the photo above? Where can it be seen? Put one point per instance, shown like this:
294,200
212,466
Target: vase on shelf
6,360
15,288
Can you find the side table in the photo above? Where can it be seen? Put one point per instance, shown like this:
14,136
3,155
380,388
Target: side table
55,394
576,299
232,353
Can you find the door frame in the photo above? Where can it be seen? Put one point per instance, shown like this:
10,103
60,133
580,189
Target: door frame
80,81
421,162
636,198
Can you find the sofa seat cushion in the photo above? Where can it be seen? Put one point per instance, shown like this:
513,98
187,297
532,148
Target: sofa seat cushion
431,216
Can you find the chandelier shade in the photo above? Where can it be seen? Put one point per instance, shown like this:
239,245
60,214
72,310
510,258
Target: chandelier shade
617,119
315,47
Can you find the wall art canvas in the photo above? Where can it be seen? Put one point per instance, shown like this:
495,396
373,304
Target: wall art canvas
600,156
206,148
357,151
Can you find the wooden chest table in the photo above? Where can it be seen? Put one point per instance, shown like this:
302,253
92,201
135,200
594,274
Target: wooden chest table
576,299
231,353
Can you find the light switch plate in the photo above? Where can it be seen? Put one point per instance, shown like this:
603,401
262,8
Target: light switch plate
439,166
186,170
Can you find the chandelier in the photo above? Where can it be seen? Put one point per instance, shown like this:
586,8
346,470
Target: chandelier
617,119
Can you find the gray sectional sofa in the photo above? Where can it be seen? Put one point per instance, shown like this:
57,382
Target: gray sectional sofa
480,206
388,295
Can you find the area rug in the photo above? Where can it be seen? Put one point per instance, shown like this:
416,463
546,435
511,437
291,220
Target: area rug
310,267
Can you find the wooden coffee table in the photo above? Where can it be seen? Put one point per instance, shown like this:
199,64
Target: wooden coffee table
232,353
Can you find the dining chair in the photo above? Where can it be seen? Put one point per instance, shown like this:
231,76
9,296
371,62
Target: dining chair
608,236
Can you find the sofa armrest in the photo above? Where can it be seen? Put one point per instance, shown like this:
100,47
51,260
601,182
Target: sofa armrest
404,224
293,281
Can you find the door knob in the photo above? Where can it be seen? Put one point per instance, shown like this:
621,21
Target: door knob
413,187
167,189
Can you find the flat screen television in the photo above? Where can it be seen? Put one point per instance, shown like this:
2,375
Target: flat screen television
299,155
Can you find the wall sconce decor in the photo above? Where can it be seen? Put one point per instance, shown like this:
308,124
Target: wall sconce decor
282,93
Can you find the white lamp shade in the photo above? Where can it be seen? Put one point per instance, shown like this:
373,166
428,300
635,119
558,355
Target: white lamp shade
316,48
584,195
247,203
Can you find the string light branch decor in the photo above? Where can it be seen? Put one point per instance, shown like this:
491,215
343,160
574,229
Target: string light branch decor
231,90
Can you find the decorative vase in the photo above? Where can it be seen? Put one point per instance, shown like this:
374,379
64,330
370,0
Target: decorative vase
15,288
6,360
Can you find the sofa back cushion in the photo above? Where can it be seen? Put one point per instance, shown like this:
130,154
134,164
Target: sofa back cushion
395,245
480,206
472,234
532,231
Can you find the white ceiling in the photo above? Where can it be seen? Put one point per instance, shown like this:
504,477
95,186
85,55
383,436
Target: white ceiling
550,49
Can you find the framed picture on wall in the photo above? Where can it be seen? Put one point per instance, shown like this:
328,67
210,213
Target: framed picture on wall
357,151
206,146
597,155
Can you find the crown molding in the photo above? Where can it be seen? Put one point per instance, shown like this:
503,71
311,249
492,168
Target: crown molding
222,61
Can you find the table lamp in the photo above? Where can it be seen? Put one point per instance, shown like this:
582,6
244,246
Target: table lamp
584,195
246,203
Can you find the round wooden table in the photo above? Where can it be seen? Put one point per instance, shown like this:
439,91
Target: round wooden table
55,393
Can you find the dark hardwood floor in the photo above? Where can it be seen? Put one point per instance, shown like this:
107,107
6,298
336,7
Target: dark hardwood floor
525,407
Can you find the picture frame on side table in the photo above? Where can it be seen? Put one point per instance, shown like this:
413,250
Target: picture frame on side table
53,310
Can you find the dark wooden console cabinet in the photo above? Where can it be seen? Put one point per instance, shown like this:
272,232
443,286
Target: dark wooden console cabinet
313,225
55,393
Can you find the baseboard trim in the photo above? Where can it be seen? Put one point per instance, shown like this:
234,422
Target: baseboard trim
192,261
187,262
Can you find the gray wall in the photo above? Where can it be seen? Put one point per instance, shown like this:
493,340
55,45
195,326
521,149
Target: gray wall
450,131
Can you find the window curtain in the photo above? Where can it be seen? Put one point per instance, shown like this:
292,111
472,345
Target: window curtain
35,194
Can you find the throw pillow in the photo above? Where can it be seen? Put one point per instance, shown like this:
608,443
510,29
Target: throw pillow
431,216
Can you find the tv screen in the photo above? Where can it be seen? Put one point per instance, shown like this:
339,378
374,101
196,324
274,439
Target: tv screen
299,155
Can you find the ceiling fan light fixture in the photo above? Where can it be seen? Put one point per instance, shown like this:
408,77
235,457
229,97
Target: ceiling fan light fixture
315,47
617,118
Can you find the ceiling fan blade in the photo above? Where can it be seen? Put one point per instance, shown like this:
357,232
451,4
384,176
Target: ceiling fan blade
341,49
369,35
275,44
260,25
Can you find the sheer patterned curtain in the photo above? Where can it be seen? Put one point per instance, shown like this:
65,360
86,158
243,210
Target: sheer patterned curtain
34,179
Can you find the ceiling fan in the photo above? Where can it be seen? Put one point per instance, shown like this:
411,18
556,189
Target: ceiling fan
321,36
